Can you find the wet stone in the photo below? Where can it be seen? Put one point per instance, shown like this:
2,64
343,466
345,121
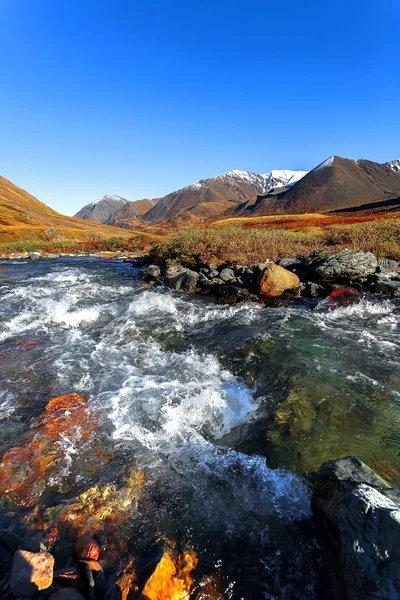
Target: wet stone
31,572
86,547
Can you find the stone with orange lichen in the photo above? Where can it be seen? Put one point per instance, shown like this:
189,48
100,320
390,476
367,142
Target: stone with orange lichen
126,580
31,572
104,505
39,455
172,578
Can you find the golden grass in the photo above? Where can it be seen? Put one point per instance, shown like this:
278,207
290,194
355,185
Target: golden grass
28,224
251,241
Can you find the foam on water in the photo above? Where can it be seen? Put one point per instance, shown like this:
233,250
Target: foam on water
170,407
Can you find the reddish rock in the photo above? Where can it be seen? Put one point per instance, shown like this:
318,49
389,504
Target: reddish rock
343,296
86,547
172,578
31,572
39,455
126,581
274,280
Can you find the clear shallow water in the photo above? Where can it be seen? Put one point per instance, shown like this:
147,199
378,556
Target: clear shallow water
187,390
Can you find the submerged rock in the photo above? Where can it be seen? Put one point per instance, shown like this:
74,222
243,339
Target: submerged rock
274,280
172,577
358,517
31,572
37,456
347,264
230,294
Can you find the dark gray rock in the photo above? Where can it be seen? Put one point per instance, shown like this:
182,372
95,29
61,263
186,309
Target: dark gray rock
385,265
358,519
386,285
227,274
150,273
204,281
231,293
292,262
313,290
185,281
347,264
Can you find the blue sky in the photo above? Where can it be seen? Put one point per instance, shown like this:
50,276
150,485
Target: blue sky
141,97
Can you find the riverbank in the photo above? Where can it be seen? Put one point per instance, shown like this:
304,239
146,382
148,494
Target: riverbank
320,275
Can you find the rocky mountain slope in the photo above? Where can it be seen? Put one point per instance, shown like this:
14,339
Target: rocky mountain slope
210,197
128,216
336,184
22,216
101,210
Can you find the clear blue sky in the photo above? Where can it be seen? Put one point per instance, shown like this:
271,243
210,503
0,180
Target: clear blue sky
141,97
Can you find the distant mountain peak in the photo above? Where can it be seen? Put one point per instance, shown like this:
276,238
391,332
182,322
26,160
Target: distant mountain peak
110,197
102,209
394,165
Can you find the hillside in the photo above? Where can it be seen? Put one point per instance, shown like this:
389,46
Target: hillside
127,216
335,184
24,217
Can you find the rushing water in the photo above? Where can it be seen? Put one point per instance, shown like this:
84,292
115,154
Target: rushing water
225,408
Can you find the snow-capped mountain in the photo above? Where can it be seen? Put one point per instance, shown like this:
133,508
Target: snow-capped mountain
394,165
276,179
102,209
212,196
333,185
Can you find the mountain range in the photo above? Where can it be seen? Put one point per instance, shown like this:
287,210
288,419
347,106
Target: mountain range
337,184
193,204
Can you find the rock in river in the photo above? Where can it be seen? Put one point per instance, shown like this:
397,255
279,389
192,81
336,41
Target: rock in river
274,280
40,454
31,572
347,264
358,516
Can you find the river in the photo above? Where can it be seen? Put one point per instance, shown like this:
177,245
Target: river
227,410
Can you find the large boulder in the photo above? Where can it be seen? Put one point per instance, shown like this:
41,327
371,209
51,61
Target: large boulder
187,280
31,572
345,265
358,519
274,280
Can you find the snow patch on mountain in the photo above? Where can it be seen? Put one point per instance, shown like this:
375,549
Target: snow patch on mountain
110,197
265,182
327,163
282,178
394,165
